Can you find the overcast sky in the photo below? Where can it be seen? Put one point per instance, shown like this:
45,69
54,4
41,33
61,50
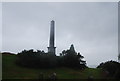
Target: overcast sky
91,26
0,26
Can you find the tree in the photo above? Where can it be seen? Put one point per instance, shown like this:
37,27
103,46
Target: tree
40,59
71,58
119,57
112,68
63,53
33,59
72,48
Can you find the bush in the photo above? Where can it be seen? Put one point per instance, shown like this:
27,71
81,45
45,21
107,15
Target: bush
112,67
36,59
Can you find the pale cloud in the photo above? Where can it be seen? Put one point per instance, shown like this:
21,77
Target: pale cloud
91,27
59,0
0,26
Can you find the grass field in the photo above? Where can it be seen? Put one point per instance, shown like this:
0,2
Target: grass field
11,71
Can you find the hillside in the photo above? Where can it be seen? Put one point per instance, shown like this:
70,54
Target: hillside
12,71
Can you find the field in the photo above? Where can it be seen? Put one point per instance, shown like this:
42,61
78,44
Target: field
11,71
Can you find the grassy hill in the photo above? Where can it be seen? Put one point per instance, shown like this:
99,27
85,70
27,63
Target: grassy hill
12,71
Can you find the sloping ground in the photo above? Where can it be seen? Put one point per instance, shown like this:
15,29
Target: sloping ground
12,71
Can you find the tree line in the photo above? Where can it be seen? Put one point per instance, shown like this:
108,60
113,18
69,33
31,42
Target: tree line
40,59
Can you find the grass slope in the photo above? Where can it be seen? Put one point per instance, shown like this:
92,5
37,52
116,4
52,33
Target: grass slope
12,71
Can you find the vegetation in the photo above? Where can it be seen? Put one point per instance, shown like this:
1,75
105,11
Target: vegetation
111,68
13,71
69,58
40,59
119,57
30,64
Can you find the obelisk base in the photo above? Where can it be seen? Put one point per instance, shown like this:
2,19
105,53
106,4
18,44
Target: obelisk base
51,50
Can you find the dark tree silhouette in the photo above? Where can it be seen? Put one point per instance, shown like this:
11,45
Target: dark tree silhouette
40,59
119,57
112,68
71,58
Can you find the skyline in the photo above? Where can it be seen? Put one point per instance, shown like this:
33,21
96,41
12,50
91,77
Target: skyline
90,27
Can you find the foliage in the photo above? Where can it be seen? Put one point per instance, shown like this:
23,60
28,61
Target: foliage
12,71
112,68
72,59
40,59
119,57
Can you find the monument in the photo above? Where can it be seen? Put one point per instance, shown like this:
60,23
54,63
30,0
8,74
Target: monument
51,48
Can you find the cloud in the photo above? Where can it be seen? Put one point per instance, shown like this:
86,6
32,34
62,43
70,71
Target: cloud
0,26
60,0
91,27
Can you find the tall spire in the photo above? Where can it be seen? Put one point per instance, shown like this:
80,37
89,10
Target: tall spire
51,48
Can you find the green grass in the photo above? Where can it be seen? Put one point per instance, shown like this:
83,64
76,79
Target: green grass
12,71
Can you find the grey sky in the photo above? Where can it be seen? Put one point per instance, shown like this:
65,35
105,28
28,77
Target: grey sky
59,0
119,27
92,27
0,40
0,25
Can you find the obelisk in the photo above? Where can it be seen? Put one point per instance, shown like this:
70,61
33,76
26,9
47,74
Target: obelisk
51,48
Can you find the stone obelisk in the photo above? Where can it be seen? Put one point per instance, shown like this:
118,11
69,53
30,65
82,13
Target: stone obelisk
51,48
